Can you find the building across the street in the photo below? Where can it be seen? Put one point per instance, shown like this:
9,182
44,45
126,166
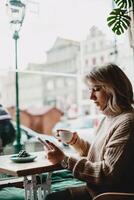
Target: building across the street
57,82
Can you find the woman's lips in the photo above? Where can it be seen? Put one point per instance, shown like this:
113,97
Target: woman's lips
97,103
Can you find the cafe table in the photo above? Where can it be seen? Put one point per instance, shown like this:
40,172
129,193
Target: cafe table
29,171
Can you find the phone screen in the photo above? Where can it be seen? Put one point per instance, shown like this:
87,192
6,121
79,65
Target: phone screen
44,143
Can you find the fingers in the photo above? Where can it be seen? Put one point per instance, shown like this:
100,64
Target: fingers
52,145
74,139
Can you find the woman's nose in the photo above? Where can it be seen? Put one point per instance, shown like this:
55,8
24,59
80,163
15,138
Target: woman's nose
92,95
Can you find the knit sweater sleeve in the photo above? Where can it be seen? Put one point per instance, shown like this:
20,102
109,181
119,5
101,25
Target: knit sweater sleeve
112,162
81,146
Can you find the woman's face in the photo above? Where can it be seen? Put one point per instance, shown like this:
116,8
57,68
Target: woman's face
98,95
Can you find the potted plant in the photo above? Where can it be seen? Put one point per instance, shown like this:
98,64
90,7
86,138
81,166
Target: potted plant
121,18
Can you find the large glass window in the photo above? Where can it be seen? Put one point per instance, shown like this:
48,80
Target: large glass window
59,41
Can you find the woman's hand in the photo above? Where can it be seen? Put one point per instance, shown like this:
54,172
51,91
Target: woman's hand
55,155
74,139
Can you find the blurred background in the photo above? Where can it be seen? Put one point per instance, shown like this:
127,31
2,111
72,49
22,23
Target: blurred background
58,43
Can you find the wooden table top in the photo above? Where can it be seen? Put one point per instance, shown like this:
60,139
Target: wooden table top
38,166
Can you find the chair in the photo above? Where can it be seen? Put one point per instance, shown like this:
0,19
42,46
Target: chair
115,196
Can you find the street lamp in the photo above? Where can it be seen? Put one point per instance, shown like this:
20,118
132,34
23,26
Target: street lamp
16,12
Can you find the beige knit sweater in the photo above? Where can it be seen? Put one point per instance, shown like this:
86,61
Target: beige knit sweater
108,163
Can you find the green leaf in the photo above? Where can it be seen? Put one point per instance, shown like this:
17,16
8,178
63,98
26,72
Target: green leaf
111,23
119,21
124,3
124,25
127,21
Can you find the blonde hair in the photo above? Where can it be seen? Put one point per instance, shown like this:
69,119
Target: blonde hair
116,84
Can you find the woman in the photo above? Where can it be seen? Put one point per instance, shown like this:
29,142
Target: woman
107,164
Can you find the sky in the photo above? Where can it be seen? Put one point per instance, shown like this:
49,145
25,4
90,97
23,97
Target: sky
43,23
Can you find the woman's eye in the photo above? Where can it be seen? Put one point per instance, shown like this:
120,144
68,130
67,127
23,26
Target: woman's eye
95,89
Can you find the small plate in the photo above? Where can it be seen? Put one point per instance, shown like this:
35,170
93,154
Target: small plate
17,159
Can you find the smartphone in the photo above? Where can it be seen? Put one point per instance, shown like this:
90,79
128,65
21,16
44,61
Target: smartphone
44,143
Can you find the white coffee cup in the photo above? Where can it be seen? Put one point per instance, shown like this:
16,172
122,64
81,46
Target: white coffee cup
64,135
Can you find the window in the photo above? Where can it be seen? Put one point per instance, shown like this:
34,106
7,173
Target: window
102,59
86,62
94,61
60,83
50,85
